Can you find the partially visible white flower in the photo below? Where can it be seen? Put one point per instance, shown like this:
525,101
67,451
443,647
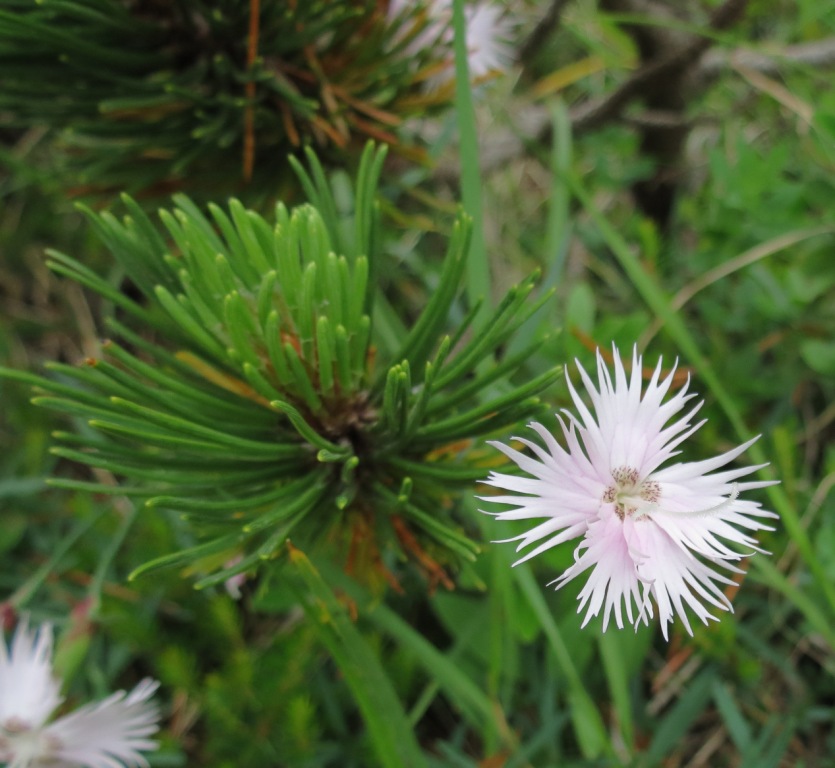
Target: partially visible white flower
28,690
649,533
106,734
488,37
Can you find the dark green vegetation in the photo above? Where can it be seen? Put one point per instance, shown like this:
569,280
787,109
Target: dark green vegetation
692,216
157,97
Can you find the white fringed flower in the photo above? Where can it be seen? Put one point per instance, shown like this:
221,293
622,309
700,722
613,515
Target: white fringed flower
646,531
106,734
488,35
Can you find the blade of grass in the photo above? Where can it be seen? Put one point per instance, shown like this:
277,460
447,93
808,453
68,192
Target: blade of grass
675,724
474,703
25,591
478,267
559,225
772,744
499,640
614,664
129,513
585,717
745,259
735,722
433,686
388,726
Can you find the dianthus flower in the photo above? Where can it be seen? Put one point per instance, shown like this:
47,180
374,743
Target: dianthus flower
107,734
487,33
648,533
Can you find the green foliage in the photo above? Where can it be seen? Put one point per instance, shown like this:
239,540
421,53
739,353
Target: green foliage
496,672
263,405
389,730
157,97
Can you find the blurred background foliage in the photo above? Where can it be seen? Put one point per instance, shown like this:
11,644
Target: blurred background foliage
643,155
155,97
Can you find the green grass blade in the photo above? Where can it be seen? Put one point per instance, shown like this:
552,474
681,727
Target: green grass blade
669,732
585,716
388,726
478,266
614,664
559,226
473,702
735,722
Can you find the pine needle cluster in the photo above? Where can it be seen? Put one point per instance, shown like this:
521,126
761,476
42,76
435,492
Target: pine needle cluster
256,390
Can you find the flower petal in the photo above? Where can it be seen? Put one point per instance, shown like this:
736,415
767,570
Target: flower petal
676,578
613,582
110,733
28,690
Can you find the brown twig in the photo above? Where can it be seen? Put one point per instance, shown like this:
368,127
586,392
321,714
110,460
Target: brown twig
817,53
249,111
434,572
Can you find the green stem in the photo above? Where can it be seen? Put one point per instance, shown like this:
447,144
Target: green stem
478,267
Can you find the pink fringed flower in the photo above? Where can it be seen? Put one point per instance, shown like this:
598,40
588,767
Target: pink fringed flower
107,734
649,533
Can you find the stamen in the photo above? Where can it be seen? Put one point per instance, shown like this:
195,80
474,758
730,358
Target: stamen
16,725
630,497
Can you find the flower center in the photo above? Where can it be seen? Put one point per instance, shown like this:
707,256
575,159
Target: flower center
24,745
631,497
